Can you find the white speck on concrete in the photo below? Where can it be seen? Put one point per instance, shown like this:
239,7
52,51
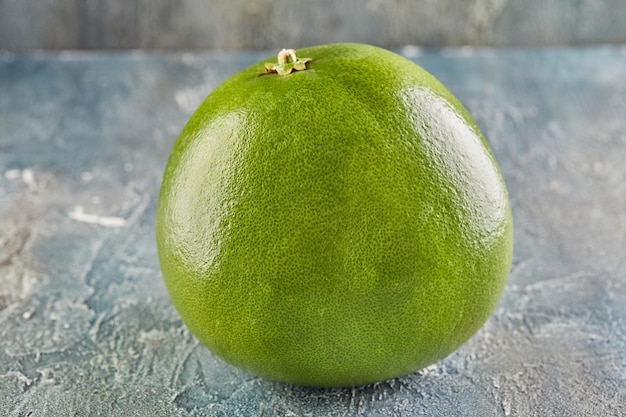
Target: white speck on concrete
12,174
411,51
79,215
28,176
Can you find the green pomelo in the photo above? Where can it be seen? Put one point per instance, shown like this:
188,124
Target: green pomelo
339,225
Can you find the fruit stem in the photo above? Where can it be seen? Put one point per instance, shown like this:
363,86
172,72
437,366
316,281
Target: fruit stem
287,62
286,55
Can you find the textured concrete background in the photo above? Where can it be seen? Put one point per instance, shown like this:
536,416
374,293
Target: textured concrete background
87,327
270,24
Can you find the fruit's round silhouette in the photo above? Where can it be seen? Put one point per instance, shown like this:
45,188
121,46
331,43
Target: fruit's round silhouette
333,221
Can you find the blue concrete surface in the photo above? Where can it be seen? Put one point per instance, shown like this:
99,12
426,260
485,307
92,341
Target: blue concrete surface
87,327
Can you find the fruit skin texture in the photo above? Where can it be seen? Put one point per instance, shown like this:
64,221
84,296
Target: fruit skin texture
336,226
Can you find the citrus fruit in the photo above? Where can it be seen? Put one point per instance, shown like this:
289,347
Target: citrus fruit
333,218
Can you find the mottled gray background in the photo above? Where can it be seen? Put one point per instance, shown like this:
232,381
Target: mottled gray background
269,24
